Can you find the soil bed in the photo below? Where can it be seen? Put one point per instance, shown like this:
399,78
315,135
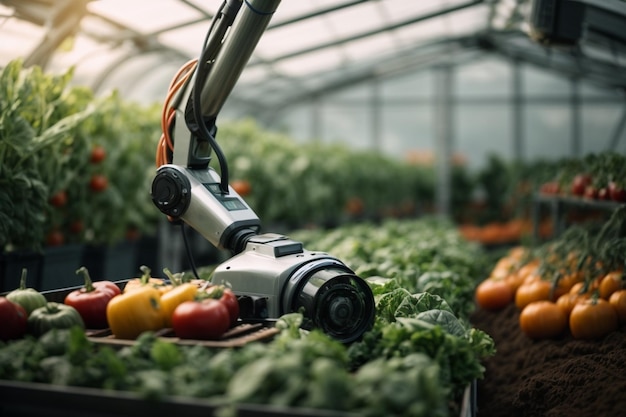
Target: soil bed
551,378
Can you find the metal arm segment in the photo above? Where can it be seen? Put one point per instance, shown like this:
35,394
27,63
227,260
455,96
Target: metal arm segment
241,41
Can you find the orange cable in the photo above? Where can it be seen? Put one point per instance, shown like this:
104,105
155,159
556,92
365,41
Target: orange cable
165,142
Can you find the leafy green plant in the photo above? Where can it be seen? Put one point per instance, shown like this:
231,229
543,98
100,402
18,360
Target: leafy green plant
39,115
52,189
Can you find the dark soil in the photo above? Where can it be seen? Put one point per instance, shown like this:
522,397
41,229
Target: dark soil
551,378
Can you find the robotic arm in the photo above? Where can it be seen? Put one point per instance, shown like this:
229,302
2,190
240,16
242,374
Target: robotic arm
271,274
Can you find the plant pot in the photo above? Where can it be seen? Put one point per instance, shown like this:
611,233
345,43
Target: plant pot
11,265
59,267
110,262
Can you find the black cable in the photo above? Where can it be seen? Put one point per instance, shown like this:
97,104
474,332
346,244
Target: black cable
192,264
202,73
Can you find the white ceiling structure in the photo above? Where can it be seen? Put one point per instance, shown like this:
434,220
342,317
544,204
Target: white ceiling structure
310,46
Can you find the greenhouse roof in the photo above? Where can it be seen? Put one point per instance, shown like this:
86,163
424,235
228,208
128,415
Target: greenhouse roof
310,47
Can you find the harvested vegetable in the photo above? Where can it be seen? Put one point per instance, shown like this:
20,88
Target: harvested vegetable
181,292
29,298
205,319
53,316
92,299
135,312
14,320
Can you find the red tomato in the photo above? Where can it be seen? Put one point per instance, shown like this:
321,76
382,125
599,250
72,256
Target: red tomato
77,226
228,298
206,319
591,192
14,320
59,199
98,183
616,192
580,183
493,294
55,238
551,187
98,154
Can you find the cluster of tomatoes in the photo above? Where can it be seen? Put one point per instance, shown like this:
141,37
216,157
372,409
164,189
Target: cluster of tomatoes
193,310
584,185
59,200
588,308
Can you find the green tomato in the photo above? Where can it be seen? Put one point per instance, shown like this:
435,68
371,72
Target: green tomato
28,298
53,316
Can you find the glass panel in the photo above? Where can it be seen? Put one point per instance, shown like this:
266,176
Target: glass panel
346,124
407,130
417,84
484,78
537,82
481,130
548,131
599,122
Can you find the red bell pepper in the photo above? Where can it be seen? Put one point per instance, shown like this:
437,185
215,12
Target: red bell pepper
91,301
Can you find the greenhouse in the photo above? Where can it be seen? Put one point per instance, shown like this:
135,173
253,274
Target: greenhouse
313,207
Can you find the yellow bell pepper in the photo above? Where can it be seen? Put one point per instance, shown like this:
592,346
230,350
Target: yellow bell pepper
146,279
177,295
132,313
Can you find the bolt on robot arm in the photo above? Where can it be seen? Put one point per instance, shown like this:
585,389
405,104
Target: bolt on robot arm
270,273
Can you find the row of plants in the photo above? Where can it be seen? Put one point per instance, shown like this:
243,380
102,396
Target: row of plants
74,168
574,284
293,183
505,192
417,360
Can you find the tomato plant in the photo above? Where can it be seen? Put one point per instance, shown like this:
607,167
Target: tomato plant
493,294
592,318
542,320
206,319
98,183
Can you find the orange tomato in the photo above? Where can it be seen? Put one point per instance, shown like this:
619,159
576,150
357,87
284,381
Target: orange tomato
503,268
542,320
528,269
528,292
592,319
618,301
241,187
566,302
493,294
610,283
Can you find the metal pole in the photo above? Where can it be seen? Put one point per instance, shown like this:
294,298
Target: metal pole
444,135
